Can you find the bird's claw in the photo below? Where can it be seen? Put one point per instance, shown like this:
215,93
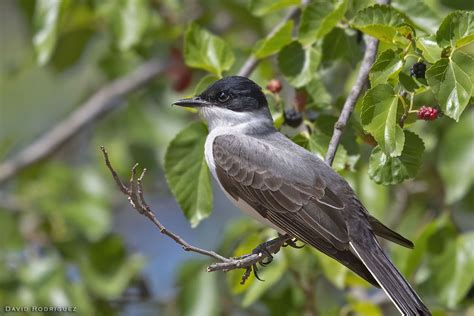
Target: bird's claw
292,244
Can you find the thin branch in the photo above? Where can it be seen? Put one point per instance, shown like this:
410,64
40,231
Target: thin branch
348,108
134,193
101,102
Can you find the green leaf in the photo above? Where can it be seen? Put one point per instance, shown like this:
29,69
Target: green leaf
298,65
461,265
274,42
419,13
341,44
198,291
456,30
319,18
387,66
262,7
131,22
450,79
456,163
429,48
271,275
45,24
318,93
187,173
319,143
380,112
386,170
204,83
206,51
379,21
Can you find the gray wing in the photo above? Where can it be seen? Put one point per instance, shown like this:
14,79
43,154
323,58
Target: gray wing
293,197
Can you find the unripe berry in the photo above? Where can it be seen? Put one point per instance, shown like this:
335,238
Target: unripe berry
428,113
293,118
274,86
418,70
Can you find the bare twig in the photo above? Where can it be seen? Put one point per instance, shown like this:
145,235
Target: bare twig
134,193
103,101
348,108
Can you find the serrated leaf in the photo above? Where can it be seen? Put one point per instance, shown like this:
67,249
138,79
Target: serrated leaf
386,170
419,13
456,163
319,18
131,22
429,48
206,51
297,64
187,172
387,65
45,24
456,30
379,21
450,79
380,113
274,42
341,44
262,7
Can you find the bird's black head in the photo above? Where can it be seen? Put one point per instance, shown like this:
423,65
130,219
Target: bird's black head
235,93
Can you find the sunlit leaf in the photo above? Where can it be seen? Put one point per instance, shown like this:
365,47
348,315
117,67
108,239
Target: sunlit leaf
297,64
456,30
198,291
131,22
45,23
387,65
419,13
450,79
387,170
380,113
318,19
430,49
456,163
271,274
187,173
206,51
273,43
460,263
262,7
379,21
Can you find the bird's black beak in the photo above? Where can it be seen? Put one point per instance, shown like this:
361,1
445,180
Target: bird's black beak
195,102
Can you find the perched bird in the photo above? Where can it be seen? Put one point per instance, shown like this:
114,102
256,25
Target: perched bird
288,188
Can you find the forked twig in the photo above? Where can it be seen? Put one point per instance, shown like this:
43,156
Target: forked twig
134,193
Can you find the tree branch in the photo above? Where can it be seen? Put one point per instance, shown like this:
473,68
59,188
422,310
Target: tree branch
134,193
349,104
101,102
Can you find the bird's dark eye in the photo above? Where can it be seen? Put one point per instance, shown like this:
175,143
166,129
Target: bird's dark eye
223,97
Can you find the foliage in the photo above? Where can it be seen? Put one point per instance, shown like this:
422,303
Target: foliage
58,245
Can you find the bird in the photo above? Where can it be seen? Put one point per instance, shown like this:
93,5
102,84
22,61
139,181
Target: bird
288,188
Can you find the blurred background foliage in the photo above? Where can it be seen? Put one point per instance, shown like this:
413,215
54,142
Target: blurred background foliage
68,237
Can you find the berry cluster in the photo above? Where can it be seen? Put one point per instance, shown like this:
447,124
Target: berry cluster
274,86
418,70
428,113
293,118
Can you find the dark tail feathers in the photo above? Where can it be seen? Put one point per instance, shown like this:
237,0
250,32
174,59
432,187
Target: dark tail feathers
390,280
